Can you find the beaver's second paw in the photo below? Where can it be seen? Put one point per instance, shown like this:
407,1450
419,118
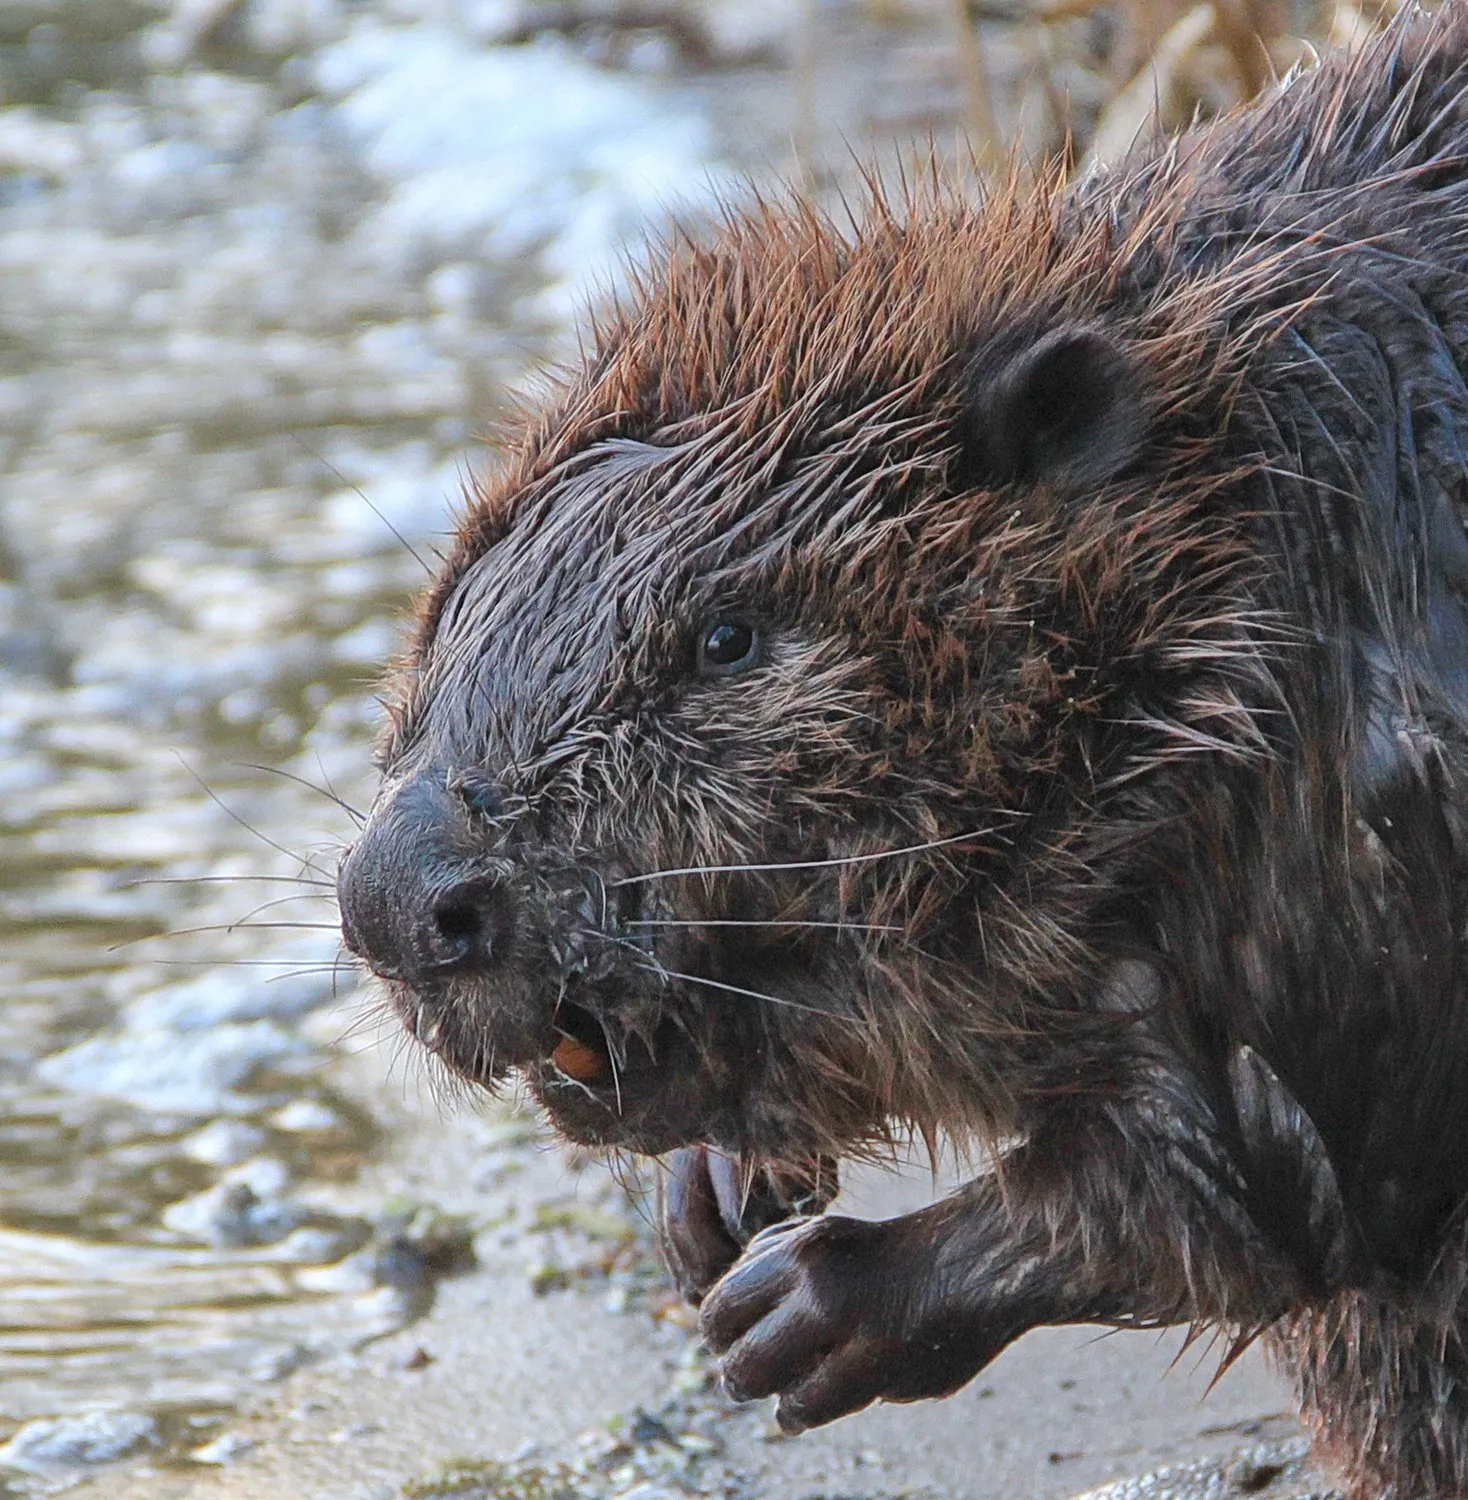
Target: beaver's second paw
712,1204
834,1313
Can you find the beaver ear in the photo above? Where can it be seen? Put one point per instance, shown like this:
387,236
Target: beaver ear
1067,410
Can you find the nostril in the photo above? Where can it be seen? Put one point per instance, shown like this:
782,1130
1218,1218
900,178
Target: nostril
470,924
413,908
460,922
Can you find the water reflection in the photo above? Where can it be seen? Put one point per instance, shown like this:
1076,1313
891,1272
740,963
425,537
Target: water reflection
241,291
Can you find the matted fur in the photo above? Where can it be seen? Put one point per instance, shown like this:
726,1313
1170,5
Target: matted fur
1097,789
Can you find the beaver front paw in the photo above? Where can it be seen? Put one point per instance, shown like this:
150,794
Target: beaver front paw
713,1204
834,1313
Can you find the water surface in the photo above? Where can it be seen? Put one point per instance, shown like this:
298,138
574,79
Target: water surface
255,293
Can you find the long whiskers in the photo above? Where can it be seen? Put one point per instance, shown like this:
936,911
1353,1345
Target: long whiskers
326,888
616,1074
225,927
294,965
214,797
327,791
733,989
757,922
806,864
376,510
280,901
376,1019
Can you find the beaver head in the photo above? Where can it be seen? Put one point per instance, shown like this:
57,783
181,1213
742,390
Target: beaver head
765,761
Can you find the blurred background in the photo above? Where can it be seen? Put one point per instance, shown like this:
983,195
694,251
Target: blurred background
267,267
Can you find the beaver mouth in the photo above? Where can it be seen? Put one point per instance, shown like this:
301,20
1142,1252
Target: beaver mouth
649,1093
643,1050
582,1053
601,1083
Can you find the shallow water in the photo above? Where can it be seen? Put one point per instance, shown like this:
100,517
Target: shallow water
254,292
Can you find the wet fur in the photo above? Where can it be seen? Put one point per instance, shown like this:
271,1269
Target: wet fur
1168,672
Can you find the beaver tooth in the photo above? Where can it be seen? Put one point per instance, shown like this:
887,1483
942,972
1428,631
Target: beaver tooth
576,1060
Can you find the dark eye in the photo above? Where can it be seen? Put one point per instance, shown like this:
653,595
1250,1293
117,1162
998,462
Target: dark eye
726,647
479,795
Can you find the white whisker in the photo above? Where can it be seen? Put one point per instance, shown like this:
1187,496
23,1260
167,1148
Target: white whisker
733,989
326,892
224,927
753,922
806,864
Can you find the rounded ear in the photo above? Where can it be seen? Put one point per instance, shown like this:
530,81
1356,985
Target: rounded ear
1068,409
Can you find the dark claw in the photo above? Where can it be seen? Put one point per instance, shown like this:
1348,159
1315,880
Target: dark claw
693,1231
707,1215
836,1387
752,1290
780,1321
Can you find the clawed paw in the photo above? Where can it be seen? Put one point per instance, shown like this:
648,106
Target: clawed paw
810,1313
713,1204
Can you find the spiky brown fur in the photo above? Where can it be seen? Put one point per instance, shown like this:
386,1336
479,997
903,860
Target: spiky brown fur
1095,780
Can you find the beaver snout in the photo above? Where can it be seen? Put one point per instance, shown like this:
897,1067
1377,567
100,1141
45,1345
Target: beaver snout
415,906
498,954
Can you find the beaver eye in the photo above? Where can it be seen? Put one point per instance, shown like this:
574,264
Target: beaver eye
726,647
479,795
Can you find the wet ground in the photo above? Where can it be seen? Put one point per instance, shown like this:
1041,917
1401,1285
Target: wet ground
267,267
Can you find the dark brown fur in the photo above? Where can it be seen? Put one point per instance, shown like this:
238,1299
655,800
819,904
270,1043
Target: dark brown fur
1094,785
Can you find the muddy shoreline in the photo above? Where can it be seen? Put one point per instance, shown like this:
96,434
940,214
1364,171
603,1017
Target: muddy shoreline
562,1345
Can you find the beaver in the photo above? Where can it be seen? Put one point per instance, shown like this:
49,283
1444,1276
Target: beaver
997,670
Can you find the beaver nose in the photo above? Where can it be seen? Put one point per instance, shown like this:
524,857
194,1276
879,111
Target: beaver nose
408,906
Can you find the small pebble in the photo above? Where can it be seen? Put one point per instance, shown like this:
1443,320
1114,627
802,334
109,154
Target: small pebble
303,1116
276,1364
94,1437
311,1245
355,1433
646,1428
224,1449
245,1207
224,1143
